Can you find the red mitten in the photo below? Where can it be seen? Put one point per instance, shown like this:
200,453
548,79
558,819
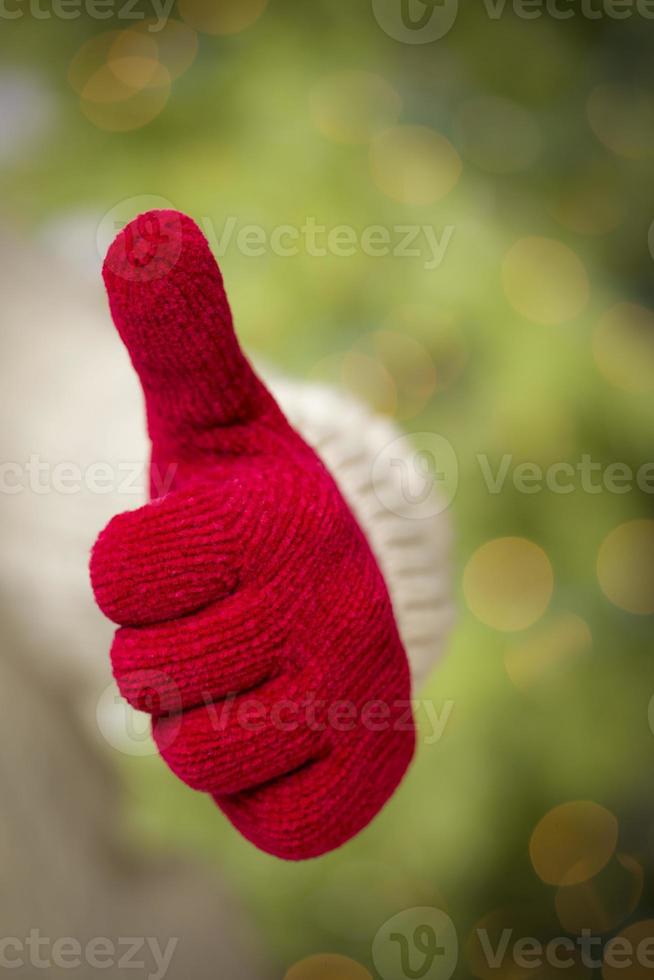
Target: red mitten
255,624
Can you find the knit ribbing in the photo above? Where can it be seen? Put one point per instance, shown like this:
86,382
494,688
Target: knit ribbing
255,624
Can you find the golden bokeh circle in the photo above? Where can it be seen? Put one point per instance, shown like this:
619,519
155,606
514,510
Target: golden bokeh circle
414,164
625,567
174,46
133,72
105,87
544,280
556,644
405,369
634,935
603,902
89,58
225,17
133,43
508,583
328,966
129,108
353,106
370,380
441,336
177,44
573,843
114,65
120,79
623,346
362,375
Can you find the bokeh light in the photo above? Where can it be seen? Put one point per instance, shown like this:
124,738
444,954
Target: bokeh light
544,280
177,44
128,108
328,966
414,164
622,118
353,106
394,373
497,135
639,940
90,57
363,376
226,17
635,944
573,842
281,114
370,380
625,567
487,953
133,59
605,901
492,927
121,80
408,363
623,345
508,583
440,333
552,647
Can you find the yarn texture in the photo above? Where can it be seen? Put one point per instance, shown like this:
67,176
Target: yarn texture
255,624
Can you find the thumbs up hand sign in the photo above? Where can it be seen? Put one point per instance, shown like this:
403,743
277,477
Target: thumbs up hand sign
254,622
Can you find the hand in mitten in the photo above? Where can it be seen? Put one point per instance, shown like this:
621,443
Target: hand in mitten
255,624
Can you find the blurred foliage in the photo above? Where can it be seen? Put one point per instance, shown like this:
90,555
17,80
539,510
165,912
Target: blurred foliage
552,122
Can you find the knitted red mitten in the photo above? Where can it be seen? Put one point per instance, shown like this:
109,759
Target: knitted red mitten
255,624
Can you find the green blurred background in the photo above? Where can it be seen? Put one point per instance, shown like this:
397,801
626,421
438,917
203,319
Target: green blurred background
529,143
